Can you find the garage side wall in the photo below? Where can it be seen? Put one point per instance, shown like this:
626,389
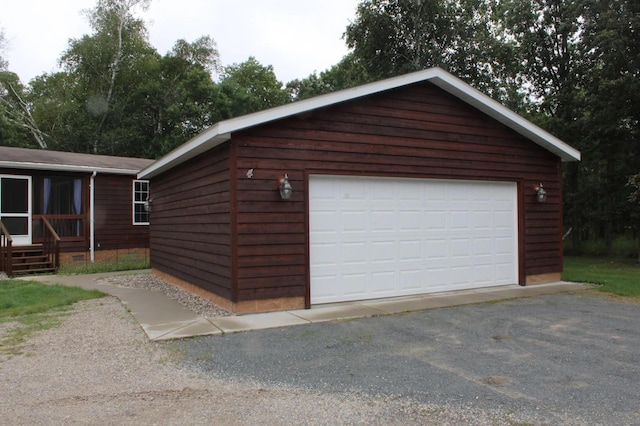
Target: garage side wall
191,226
415,132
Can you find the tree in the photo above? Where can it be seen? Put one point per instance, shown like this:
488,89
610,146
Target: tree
107,66
181,99
546,46
3,41
14,130
634,201
393,37
578,63
117,96
16,113
250,87
203,53
612,35
349,72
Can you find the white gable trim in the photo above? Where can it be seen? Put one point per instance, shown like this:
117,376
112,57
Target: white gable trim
222,131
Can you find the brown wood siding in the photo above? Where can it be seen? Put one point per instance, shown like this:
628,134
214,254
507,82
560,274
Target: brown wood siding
418,132
113,218
191,222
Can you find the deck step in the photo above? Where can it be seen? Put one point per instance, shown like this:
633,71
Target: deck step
34,271
30,260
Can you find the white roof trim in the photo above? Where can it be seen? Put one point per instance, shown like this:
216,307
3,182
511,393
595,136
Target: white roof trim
222,131
65,168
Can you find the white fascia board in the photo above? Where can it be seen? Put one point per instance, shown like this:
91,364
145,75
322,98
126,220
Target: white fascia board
221,132
23,165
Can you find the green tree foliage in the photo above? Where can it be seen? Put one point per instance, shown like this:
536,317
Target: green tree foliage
249,87
545,44
392,37
578,62
181,99
14,130
612,34
106,68
3,41
117,96
349,72
16,120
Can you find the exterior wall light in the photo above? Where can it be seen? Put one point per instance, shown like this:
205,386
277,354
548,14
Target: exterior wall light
147,204
285,187
541,194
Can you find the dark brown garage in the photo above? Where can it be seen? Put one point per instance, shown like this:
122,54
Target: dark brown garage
410,185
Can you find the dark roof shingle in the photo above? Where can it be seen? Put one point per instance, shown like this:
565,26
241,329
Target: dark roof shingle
39,159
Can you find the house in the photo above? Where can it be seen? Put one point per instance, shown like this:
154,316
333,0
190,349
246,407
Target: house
94,203
405,186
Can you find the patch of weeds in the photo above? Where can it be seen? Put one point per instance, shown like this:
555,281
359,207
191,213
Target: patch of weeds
130,262
19,329
307,334
352,340
27,307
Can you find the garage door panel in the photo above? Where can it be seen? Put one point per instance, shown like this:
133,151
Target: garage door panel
435,221
325,221
409,236
383,283
410,250
410,220
435,249
411,280
324,255
483,247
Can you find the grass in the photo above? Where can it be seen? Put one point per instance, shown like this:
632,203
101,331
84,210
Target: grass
122,263
620,276
623,246
27,307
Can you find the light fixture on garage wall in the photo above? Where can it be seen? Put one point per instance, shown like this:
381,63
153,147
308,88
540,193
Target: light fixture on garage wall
541,194
285,187
147,204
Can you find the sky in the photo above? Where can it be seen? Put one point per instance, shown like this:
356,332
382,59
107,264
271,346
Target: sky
296,37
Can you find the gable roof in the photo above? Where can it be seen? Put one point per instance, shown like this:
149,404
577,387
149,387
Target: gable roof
221,131
40,159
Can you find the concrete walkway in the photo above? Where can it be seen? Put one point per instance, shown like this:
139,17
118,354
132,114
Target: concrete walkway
162,318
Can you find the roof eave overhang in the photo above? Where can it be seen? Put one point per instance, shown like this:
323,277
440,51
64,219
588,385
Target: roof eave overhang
221,132
26,165
191,149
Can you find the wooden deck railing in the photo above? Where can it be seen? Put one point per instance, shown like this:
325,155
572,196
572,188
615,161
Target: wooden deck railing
51,244
6,242
68,227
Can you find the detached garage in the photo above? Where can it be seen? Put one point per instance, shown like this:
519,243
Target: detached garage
410,185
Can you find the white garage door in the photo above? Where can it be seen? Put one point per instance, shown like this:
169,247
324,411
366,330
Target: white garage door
384,237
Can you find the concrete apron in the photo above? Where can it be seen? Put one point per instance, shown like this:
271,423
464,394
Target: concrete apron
163,318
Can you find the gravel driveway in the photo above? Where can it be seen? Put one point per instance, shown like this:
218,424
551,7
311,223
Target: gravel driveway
565,359
562,359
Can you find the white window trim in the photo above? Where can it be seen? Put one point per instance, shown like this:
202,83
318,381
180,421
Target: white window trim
133,205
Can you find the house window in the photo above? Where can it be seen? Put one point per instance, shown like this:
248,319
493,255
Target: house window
58,195
140,198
